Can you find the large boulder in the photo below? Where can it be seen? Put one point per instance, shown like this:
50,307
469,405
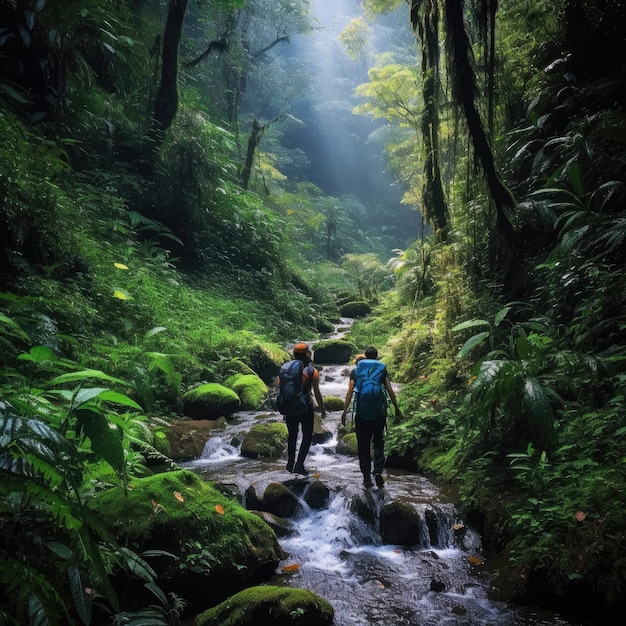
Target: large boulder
265,440
354,309
187,438
217,546
210,401
252,391
279,606
333,351
400,524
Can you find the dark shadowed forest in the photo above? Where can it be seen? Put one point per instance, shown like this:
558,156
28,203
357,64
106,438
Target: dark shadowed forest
187,187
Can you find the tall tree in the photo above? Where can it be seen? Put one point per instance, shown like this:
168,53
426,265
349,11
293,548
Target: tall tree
166,102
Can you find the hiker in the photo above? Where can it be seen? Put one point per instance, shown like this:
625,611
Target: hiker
297,404
369,381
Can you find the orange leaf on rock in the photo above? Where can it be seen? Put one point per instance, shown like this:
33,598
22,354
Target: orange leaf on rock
291,568
178,496
475,560
219,508
316,475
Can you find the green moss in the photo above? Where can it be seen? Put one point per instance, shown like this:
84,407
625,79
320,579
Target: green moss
252,391
210,401
334,403
267,604
265,440
174,509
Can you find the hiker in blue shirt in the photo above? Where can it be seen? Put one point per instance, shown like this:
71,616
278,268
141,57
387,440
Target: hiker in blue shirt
369,381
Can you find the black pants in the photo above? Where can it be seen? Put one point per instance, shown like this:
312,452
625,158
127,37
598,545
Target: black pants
305,421
368,431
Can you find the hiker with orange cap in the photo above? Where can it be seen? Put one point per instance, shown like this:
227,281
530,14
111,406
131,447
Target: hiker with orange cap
297,378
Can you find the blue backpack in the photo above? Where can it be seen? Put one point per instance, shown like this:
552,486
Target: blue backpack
370,399
293,398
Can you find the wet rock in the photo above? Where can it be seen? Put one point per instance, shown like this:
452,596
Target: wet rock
187,438
318,495
279,525
437,586
280,500
252,500
399,524
321,433
264,440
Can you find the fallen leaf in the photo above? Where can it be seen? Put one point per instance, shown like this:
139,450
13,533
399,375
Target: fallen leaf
580,516
120,266
178,496
219,508
475,560
316,475
291,568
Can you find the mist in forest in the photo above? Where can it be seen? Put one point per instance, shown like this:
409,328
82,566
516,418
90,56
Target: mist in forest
342,155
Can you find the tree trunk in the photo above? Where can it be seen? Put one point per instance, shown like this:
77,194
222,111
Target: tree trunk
466,89
166,102
253,142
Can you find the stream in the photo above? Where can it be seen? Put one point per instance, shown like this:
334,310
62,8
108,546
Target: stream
337,551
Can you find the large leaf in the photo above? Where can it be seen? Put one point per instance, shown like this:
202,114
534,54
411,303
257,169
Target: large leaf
85,375
106,442
539,410
471,343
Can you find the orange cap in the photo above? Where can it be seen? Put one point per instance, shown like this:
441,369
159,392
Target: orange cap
300,348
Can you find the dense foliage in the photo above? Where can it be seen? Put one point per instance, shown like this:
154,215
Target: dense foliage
159,221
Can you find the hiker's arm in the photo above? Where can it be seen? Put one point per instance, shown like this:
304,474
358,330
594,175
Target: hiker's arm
318,395
392,396
346,404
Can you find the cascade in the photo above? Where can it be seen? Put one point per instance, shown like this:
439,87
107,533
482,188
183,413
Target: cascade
344,550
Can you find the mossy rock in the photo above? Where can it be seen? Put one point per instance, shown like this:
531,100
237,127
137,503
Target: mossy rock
180,513
358,308
252,391
234,366
333,351
265,440
265,360
279,606
324,326
210,401
333,403
348,445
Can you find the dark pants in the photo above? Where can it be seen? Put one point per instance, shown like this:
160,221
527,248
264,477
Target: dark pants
293,424
368,431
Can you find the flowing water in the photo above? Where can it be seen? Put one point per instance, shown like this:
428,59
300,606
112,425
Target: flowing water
336,551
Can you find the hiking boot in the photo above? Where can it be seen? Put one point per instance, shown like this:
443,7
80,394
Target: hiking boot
299,469
289,467
367,482
380,481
